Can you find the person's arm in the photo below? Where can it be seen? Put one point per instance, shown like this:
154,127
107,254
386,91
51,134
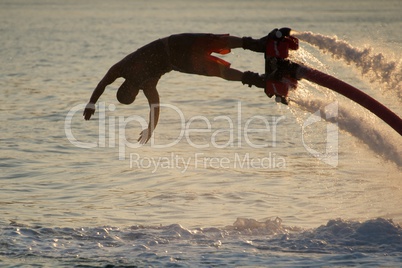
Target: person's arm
152,95
109,78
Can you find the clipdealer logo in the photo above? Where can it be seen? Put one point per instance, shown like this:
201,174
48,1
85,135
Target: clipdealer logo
235,131
202,161
330,156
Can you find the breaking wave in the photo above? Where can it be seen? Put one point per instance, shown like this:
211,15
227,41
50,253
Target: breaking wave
178,246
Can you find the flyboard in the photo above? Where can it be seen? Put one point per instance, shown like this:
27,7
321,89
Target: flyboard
282,74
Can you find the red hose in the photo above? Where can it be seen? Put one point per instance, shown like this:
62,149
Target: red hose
354,94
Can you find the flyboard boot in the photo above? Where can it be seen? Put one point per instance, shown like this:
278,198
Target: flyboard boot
280,74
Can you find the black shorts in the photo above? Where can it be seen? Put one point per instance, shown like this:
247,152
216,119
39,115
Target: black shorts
191,53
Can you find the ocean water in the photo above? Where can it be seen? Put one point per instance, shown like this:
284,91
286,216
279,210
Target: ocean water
230,178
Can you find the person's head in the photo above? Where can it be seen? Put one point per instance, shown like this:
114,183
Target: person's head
126,93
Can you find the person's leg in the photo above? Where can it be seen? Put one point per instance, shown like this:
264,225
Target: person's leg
233,41
209,65
253,79
231,74
256,45
249,78
212,67
205,64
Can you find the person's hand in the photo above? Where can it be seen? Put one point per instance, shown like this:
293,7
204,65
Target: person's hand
145,135
89,110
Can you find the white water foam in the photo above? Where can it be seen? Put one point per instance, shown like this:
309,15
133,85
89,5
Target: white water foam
352,118
373,65
244,243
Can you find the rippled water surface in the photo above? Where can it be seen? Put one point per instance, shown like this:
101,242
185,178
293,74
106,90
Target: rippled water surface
230,178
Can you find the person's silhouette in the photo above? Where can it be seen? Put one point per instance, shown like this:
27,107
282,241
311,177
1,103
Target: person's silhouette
187,53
